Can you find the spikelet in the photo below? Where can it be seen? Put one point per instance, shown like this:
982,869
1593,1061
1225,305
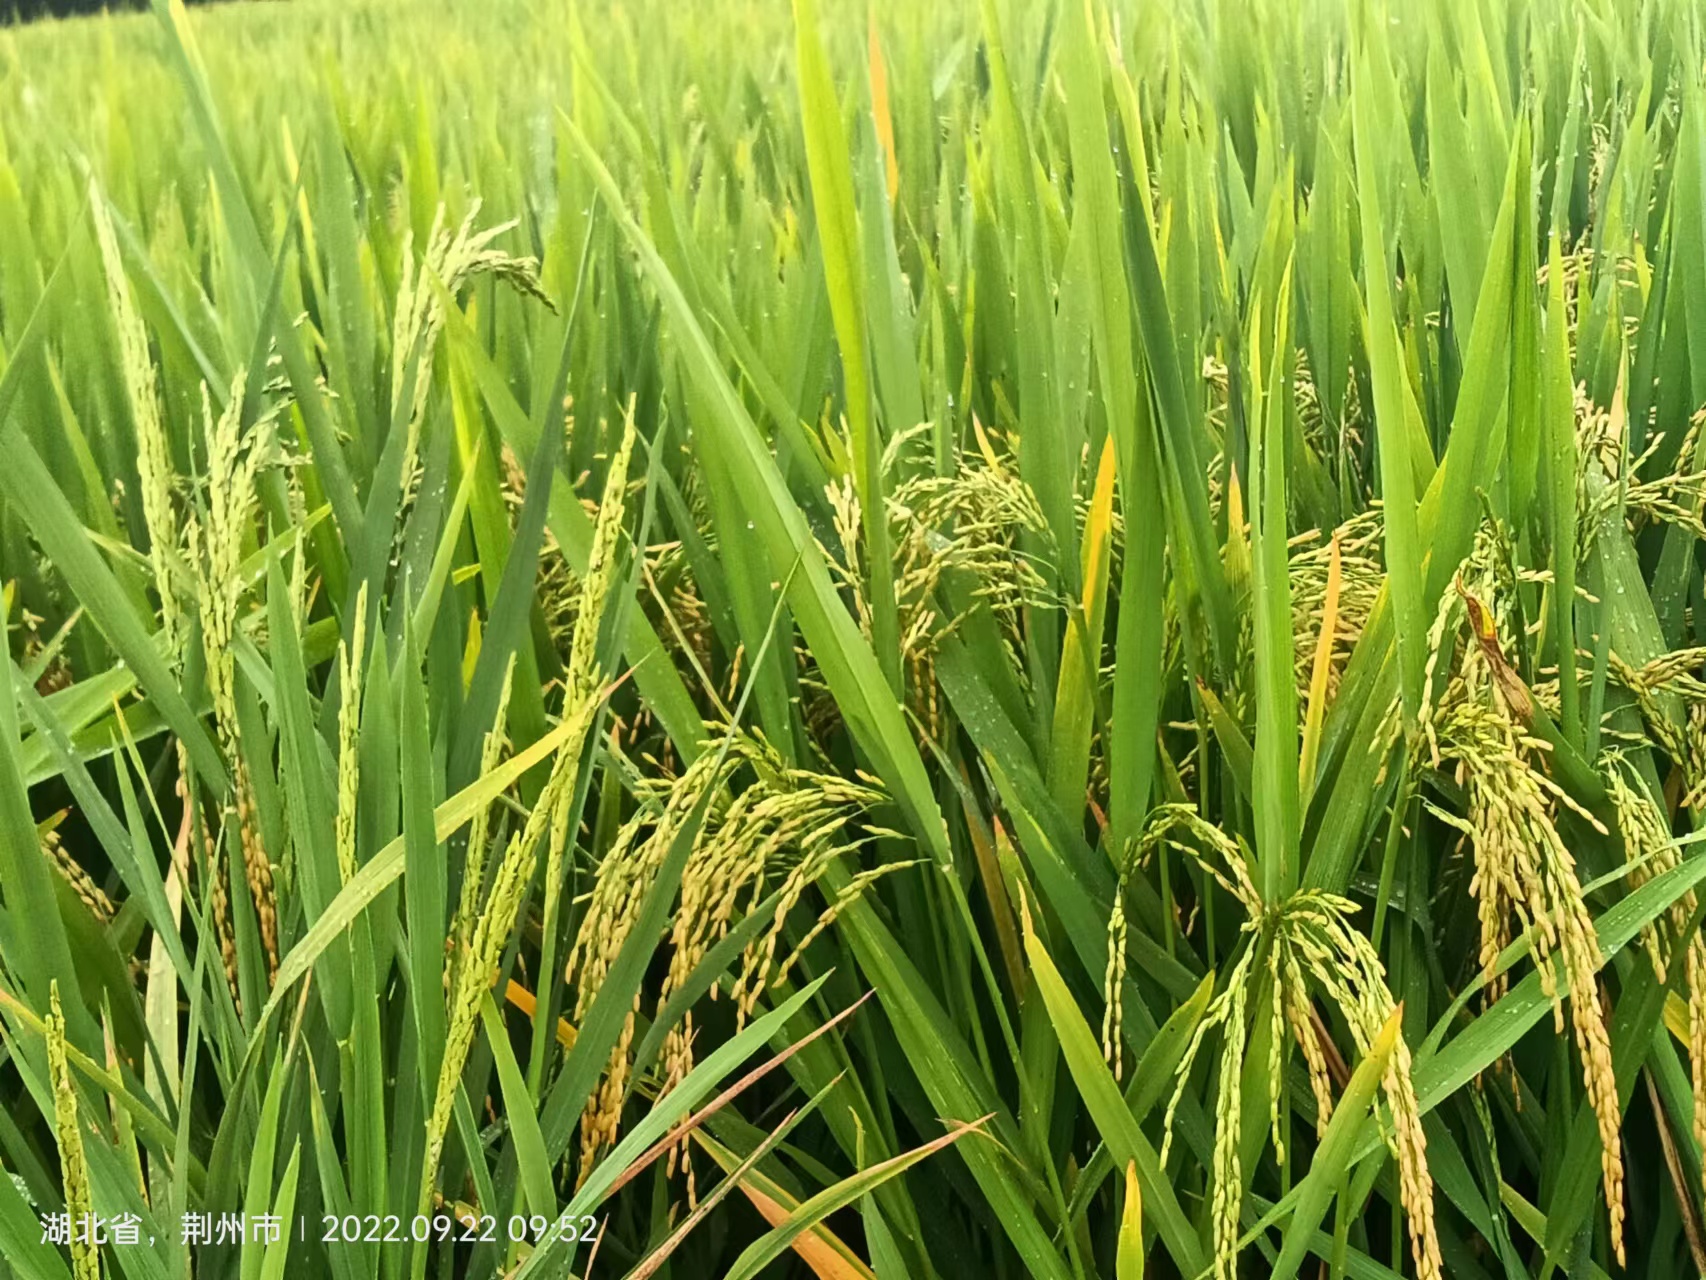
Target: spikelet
81,882
1305,940
1316,933
1361,579
624,876
153,454
1652,851
1113,983
1228,1010
217,555
476,963
478,967
451,259
1523,868
350,666
479,827
79,1199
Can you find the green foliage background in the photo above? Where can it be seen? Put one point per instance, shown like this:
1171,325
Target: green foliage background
552,549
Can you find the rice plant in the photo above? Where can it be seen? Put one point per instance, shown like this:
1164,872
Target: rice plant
882,641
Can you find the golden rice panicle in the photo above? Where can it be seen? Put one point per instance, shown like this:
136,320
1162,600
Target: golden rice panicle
74,1165
1415,1182
1670,675
802,811
1347,967
1582,960
1651,851
966,524
1523,868
849,893
82,883
1360,581
784,825
1651,848
1697,1032
619,889
351,663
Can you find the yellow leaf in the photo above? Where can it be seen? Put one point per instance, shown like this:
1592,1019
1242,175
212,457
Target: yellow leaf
524,1000
1128,1262
880,110
1318,676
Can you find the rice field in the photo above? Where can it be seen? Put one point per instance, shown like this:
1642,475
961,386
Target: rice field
816,640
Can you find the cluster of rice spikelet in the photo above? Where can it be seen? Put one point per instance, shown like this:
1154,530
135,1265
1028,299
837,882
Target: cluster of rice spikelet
963,527
153,453
467,915
157,481
783,831
450,261
1677,498
73,1164
780,833
475,963
350,659
1652,851
968,522
1672,701
1476,717
216,556
81,882
1302,945
1361,577
476,968
1667,690
624,876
